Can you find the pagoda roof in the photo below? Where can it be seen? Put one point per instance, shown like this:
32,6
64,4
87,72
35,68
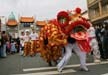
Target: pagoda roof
27,19
12,23
11,16
41,23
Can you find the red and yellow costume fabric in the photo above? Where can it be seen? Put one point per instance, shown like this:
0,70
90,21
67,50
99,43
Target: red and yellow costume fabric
27,48
71,25
52,50
33,49
57,31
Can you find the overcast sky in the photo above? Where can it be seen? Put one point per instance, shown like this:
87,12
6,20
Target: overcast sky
41,9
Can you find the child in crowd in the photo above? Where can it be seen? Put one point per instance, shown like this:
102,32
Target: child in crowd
13,48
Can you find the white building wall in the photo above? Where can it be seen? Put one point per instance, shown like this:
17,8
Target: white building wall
3,23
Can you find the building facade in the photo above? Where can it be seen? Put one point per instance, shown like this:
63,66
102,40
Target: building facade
26,23
3,23
0,24
98,11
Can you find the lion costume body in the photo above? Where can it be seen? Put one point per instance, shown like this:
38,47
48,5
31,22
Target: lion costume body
55,34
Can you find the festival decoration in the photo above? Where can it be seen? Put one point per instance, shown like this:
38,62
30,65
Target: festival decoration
71,23
54,34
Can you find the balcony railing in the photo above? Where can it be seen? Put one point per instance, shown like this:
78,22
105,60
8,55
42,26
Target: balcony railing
97,16
104,12
94,16
91,1
105,9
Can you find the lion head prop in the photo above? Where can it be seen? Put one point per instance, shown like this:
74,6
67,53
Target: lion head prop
69,22
75,25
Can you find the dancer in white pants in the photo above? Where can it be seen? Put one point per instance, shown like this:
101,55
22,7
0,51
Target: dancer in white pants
94,44
74,26
82,55
95,48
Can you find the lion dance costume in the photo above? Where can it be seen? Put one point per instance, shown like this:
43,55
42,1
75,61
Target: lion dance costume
51,42
68,30
75,27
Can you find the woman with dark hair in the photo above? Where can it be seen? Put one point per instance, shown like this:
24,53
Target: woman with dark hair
4,38
8,44
18,44
99,31
105,42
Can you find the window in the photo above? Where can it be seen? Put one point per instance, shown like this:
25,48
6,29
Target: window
94,11
105,9
26,24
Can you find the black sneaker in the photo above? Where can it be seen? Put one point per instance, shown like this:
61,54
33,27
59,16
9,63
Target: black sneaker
49,63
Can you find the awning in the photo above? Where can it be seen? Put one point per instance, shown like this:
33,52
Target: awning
26,19
41,23
12,23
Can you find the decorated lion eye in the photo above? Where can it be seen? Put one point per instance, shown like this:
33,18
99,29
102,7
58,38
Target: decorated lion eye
62,20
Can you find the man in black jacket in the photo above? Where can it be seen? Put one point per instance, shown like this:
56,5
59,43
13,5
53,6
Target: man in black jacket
4,39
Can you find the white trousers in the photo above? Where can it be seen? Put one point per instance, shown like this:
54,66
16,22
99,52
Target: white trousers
95,48
68,54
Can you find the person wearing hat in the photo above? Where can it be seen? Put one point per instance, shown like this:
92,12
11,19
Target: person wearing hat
27,43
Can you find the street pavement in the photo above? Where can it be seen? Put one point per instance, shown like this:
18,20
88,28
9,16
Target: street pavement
18,65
